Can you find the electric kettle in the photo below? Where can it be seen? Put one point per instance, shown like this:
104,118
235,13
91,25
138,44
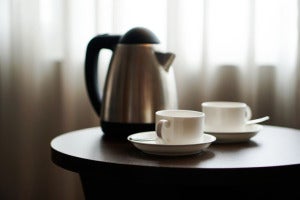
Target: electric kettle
139,81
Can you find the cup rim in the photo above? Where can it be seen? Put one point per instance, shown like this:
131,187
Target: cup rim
167,113
223,104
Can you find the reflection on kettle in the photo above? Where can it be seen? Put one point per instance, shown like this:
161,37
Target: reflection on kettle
139,81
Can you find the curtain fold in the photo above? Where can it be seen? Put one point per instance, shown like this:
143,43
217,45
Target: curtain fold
235,50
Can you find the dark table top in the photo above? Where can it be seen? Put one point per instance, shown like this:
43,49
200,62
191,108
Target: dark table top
273,155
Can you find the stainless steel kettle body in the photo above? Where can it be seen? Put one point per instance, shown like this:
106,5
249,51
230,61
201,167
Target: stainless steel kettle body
139,82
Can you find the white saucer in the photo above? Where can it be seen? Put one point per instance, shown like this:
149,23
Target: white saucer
147,142
237,135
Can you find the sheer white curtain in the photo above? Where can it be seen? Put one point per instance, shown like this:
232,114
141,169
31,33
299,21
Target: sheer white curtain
239,50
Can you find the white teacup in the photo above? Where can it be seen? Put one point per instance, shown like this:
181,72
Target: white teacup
179,126
225,115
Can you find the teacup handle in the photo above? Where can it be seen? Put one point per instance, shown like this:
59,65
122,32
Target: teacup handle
248,113
159,127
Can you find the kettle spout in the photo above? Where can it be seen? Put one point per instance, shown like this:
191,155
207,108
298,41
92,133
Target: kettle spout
165,59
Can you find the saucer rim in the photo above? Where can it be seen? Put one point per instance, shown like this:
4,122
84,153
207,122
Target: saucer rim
236,137
211,139
255,128
171,149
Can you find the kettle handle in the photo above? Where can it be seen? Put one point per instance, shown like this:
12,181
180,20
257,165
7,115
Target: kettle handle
94,46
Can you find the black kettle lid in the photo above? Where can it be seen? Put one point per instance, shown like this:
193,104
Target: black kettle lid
139,35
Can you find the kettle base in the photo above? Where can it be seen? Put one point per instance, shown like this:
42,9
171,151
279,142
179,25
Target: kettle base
123,130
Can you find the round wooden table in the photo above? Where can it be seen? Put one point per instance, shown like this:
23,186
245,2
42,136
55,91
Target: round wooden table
268,165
